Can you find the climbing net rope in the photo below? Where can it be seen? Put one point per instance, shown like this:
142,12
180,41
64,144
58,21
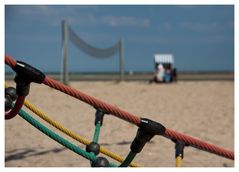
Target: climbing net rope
147,129
66,131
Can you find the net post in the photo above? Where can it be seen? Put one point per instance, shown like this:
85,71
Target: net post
121,60
64,75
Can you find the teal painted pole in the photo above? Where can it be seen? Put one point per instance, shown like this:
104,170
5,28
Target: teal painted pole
97,133
128,159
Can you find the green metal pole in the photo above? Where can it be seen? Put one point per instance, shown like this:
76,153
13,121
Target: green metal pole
128,159
97,133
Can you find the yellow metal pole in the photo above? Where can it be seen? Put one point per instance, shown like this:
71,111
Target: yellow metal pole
179,147
179,161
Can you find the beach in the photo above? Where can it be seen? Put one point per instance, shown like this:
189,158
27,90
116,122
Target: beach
201,109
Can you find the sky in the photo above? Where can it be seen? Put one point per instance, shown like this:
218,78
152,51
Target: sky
201,37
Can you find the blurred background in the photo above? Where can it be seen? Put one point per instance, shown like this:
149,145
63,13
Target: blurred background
200,37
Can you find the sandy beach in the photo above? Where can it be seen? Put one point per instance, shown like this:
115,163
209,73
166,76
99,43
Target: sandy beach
202,109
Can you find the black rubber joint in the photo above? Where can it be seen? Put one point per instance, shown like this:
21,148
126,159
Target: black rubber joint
93,147
25,75
11,91
100,162
28,72
146,131
99,116
179,148
152,127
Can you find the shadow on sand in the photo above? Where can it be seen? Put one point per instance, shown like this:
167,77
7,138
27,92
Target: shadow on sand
25,153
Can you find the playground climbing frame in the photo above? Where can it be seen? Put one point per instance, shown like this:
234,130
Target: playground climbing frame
147,129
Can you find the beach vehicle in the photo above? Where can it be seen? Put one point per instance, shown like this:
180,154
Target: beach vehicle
164,68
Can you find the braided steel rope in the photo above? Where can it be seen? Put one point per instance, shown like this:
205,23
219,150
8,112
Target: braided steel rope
114,110
14,111
199,144
10,61
72,134
58,138
55,136
20,100
130,117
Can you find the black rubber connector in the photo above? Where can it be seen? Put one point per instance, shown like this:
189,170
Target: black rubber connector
25,75
8,103
99,116
179,149
100,162
152,127
146,131
22,86
28,72
93,147
11,91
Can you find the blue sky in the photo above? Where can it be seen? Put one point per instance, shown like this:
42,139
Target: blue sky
201,37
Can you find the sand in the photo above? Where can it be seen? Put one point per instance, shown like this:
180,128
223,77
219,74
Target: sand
202,109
